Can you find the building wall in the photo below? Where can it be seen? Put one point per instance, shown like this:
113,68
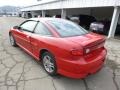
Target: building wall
99,13
58,4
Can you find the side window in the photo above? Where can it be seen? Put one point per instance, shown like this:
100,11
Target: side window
42,30
29,25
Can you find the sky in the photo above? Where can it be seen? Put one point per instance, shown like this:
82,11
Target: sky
17,2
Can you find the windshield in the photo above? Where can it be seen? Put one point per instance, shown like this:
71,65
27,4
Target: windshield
67,28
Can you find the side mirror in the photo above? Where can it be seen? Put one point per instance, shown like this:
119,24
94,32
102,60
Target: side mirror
17,27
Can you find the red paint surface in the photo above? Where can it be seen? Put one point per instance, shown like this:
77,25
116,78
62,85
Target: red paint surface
74,66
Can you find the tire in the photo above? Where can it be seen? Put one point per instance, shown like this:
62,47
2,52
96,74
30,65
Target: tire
49,64
12,40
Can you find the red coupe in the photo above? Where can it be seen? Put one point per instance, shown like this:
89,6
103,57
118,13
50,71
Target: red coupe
62,46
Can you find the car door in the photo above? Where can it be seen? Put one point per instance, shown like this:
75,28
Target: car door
37,38
23,35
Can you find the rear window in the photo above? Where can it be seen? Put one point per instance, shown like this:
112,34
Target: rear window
67,28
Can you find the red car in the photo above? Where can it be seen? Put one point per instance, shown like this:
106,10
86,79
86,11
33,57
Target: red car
62,46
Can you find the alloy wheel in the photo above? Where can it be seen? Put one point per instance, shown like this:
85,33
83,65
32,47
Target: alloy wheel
48,64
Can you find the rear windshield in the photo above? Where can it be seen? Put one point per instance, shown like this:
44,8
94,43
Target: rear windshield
67,28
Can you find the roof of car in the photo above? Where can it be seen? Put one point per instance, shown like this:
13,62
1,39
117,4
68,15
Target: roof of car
44,19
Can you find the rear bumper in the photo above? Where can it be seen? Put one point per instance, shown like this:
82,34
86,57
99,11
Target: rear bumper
81,68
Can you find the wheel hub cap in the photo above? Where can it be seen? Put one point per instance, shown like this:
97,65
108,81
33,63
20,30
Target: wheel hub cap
49,66
11,40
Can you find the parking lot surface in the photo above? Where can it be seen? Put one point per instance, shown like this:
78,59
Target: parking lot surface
19,71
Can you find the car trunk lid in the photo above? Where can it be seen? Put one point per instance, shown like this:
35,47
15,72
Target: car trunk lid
89,42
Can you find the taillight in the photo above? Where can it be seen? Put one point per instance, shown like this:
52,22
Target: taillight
77,52
87,50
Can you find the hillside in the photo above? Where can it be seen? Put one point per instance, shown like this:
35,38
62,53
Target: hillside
7,9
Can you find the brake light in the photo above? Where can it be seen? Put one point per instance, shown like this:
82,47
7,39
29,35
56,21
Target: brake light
87,51
77,52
